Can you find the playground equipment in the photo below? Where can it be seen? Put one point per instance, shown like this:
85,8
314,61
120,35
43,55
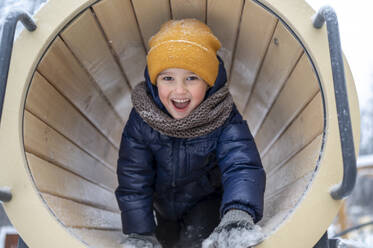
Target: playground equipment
67,99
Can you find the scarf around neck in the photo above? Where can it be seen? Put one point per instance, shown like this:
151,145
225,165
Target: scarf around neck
206,117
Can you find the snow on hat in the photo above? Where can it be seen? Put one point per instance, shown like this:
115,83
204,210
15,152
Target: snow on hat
187,44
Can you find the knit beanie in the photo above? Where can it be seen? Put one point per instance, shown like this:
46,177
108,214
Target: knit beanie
187,44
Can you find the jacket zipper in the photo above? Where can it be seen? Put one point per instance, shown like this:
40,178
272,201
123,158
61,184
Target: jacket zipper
176,156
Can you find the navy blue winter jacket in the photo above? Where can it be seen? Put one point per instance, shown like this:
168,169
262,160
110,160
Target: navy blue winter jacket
173,174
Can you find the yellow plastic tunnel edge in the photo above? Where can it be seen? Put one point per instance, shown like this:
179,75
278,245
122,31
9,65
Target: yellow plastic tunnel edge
305,226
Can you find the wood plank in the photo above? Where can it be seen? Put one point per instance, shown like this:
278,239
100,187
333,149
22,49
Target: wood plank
64,72
284,191
223,17
301,164
302,131
279,206
120,26
98,60
286,186
283,53
77,215
48,105
287,197
270,223
99,238
299,89
150,16
46,143
257,27
182,9
52,179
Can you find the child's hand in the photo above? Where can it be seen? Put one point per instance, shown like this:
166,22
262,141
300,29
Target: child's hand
236,230
135,240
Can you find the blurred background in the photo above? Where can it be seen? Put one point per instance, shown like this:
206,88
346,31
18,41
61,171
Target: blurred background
357,39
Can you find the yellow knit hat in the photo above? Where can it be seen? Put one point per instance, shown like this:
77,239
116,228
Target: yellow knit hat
187,44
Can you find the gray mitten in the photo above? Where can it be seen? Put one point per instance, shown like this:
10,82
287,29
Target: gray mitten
236,230
135,240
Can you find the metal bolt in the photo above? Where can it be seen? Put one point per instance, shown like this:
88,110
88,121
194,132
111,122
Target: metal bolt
276,41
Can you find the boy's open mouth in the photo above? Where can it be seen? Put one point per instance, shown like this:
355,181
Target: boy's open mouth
180,103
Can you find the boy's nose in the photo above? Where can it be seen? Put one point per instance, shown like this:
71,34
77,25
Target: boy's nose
180,87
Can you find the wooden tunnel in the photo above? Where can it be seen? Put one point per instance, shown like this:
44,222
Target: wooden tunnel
68,98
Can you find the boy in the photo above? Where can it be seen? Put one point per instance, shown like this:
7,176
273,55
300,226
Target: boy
186,152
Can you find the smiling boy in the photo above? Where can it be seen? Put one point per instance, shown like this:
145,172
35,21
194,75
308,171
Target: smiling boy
186,152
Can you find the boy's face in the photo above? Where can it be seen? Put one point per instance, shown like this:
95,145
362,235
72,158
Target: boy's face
180,91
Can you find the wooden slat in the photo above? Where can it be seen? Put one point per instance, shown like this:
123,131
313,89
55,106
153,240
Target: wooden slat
64,72
98,60
46,143
189,9
48,105
151,15
279,206
301,164
257,26
270,223
301,132
99,238
119,24
59,182
73,214
283,53
223,17
286,185
299,89
287,197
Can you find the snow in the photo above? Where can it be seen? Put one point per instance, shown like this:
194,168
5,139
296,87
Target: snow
344,243
238,238
365,161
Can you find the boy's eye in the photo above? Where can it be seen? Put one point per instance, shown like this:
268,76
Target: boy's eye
190,78
167,78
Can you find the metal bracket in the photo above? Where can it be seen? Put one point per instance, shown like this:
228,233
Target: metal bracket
325,242
353,229
5,194
6,47
328,15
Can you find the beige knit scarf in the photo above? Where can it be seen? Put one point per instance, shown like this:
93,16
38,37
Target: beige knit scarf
208,116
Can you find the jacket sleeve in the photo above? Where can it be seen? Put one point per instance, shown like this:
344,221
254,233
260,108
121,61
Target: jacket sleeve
135,173
243,176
